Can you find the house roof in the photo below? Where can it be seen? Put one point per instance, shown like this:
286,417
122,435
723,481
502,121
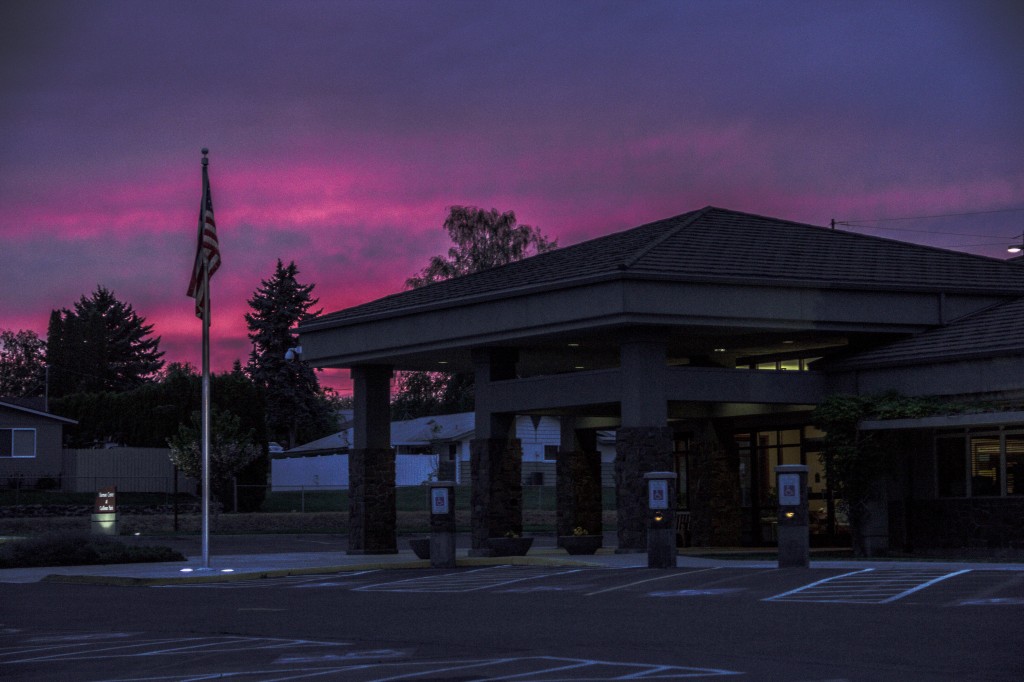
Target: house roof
995,331
718,245
38,413
411,432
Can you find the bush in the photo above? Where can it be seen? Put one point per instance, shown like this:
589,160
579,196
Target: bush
78,550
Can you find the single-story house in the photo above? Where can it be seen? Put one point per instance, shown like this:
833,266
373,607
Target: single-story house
703,342
426,449
31,443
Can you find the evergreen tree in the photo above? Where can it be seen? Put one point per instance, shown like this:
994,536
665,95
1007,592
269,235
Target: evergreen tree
22,364
297,409
481,240
102,344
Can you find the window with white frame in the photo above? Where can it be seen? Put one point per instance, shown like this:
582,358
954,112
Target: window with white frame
17,442
980,464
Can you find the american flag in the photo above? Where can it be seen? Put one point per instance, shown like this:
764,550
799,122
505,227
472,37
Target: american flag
207,250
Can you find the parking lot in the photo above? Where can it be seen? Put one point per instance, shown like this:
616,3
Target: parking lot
936,587
535,623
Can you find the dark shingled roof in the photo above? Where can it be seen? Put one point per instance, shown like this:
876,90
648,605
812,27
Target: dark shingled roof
715,244
996,331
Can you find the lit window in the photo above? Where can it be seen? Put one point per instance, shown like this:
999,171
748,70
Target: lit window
985,466
1015,465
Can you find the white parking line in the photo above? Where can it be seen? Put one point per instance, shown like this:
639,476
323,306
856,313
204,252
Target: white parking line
463,581
641,582
866,586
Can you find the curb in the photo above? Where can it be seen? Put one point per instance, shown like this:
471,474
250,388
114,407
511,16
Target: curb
128,581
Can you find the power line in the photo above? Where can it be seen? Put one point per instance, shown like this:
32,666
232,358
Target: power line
859,224
922,217
911,229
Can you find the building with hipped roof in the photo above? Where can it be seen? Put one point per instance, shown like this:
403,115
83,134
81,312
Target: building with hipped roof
704,341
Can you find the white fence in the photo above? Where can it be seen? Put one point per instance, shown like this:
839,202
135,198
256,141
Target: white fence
330,472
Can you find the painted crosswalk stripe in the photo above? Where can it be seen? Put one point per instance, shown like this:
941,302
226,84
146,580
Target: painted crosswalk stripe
867,586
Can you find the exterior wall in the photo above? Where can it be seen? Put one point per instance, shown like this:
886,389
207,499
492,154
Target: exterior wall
47,461
330,472
989,378
133,470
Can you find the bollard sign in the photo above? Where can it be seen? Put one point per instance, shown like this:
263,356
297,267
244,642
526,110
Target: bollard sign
657,493
106,501
789,490
439,501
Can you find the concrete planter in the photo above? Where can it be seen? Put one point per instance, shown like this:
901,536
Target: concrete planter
580,544
421,547
509,546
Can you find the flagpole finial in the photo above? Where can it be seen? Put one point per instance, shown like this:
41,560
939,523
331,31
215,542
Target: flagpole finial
205,152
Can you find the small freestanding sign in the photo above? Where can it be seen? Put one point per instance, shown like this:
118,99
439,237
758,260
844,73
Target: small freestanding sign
104,512
661,531
793,519
442,524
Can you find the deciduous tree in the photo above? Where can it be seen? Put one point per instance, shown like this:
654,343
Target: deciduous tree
232,449
481,240
22,364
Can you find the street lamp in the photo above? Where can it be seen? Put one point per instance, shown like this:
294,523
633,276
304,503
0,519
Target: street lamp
292,353
1017,248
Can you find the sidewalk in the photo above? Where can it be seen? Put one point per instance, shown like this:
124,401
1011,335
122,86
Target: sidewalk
270,561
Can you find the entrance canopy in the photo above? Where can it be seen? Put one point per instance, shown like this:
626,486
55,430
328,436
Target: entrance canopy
719,289
662,326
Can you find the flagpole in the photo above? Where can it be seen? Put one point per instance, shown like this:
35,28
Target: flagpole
206,387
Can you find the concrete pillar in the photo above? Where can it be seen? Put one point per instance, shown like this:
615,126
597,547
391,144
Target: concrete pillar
495,457
644,442
643,402
577,482
371,464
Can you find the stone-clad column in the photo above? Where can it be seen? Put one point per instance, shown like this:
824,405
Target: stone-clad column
638,450
577,482
496,461
496,466
643,443
371,465
715,511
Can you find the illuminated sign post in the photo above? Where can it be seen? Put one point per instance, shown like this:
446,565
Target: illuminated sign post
793,519
661,530
104,512
442,524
